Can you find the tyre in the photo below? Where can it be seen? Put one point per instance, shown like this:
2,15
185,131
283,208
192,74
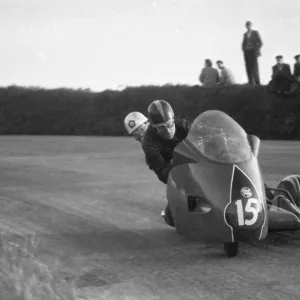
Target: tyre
231,249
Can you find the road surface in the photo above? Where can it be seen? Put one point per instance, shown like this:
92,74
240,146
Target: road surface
96,207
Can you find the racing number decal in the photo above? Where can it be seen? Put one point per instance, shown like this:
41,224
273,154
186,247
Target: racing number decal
244,211
250,208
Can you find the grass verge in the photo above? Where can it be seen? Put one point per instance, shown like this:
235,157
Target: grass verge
23,276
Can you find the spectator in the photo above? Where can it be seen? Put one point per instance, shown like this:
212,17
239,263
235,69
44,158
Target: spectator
296,73
209,76
251,46
226,77
281,76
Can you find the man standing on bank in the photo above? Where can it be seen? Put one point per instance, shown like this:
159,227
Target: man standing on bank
251,46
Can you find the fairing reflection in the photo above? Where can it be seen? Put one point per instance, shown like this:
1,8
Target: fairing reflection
219,138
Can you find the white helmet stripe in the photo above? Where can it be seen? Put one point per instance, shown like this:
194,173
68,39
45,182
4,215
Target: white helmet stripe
159,108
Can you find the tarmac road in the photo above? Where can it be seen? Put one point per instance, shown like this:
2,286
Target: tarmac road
96,208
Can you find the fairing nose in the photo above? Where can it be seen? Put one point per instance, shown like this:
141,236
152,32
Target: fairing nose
231,197
245,214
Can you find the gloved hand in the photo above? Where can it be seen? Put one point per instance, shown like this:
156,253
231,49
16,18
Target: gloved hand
164,173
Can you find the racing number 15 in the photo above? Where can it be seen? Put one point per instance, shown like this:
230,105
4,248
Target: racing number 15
251,207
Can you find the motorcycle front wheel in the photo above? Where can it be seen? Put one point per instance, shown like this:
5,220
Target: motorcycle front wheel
231,249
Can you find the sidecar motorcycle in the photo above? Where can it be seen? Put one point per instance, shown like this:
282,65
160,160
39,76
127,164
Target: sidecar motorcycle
216,191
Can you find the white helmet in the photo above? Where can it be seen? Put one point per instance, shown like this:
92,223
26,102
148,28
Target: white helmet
133,121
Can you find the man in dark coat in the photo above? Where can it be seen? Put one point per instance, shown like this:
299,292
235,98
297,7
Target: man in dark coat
296,72
281,69
281,76
251,47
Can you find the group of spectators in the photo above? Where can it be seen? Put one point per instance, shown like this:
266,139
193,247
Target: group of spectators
210,76
282,79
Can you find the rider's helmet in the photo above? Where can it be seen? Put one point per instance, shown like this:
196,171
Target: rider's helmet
161,116
136,125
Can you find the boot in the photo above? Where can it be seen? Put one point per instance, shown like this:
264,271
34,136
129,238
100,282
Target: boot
167,216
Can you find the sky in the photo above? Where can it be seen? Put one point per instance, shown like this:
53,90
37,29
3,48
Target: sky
110,44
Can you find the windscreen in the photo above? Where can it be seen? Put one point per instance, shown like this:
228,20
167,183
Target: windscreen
219,138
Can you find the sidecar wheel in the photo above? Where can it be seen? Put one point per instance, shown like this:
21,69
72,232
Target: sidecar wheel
231,249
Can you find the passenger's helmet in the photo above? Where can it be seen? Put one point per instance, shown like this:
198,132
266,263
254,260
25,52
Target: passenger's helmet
160,112
136,124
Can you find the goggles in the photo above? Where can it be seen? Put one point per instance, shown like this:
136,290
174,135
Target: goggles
162,126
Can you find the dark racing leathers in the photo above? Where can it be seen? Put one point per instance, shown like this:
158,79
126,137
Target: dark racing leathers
159,154
159,151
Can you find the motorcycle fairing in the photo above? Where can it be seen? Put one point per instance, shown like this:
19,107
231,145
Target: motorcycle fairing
278,219
214,191
211,168
199,187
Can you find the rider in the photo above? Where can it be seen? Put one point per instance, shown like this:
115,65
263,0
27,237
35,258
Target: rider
136,125
164,133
